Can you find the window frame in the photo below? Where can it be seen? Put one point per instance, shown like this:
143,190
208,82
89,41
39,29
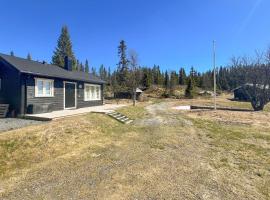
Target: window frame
95,92
44,80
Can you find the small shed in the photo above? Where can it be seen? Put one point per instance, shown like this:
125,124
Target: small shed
139,93
128,94
240,93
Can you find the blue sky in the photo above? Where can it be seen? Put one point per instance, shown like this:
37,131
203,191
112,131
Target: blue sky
171,33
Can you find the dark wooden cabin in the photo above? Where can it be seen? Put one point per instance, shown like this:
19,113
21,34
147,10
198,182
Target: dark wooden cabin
31,87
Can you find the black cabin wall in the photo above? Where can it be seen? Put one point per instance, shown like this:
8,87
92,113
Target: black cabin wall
80,97
58,100
11,91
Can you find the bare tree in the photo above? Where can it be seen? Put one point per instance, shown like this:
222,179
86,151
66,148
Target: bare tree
257,76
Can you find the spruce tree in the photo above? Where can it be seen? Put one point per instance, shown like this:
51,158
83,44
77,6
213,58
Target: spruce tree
173,82
76,66
122,69
94,71
29,57
81,67
190,90
149,78
63,48
102,72
182,76
167,80
86,66
160,77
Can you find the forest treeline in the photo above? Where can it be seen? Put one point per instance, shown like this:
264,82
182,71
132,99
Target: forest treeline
130,74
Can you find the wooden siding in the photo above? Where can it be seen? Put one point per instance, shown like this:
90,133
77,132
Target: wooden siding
80,97
58,100
10,92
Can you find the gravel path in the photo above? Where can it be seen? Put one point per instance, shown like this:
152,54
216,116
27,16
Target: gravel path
15,123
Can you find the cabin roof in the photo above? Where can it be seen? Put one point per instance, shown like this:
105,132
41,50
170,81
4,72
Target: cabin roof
48,70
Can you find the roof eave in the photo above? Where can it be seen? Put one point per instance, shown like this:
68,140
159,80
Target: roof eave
65,78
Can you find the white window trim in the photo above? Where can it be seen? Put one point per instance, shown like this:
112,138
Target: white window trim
95,85
36,87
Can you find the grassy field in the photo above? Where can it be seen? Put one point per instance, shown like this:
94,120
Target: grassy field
164,154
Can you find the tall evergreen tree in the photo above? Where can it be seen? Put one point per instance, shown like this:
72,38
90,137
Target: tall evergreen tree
122,70
94,71
77,65
167,80
182,76
207,80
86,66
147,79
173,82
81,67
109,78
190,90
63,48
102,72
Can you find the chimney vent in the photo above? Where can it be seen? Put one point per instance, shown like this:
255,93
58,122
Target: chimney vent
68,63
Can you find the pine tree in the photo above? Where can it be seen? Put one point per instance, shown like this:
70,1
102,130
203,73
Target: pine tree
102,72
81,67
150,80
76,66
86,66
207,80
122,70
12,53
182,76
173,82
167,80
109,78
155,73
29,57
190,90
160,77
94,71
63,48
222,79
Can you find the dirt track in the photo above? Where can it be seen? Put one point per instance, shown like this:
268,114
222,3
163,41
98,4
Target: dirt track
163,156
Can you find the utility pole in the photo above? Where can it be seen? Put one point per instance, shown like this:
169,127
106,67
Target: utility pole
215,82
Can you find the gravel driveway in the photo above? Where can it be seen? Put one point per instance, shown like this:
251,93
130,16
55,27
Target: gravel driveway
15,123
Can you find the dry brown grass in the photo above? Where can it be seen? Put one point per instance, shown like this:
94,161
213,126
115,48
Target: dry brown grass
182,155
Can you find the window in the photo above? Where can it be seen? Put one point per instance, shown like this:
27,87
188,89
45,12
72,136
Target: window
92,92
44,88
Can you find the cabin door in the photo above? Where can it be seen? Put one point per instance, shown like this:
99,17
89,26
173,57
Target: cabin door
70,95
